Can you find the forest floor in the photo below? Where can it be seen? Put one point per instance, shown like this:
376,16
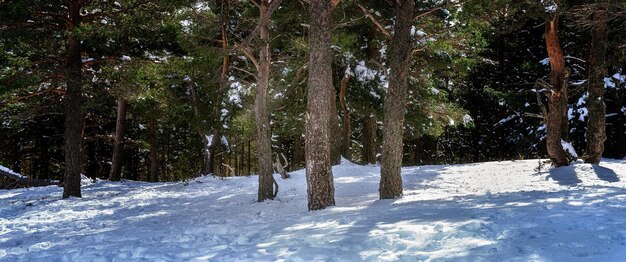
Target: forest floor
494,211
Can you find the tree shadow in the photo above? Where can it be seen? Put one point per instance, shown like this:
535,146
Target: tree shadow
508,226
571,175
565,176
605,174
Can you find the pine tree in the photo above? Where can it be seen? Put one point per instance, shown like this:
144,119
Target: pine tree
261,112
395,102
320,187
118,146
596,123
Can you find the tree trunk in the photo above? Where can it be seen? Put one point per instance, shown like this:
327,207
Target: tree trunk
557,95
93,167
298,152
118,144
261,115
320,187
73,106
596,123
214,162
370,125
249,157
43,161
335,131
154,157
201,132
347,127
620,133
370,129
394,107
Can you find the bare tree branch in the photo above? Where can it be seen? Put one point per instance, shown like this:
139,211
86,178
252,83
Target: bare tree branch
24,97
262,21
250,56
427,13
378,24
244,71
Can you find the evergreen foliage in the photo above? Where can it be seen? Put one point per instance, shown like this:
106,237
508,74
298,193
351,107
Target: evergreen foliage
472,94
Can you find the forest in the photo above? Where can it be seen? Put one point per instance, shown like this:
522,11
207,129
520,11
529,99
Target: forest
154,90
417,130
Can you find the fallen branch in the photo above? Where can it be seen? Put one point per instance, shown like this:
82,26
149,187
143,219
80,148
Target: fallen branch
280,168
12,181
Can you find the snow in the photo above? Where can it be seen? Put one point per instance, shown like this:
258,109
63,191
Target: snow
224,141
570,113
495,211
614,81
10,172
467,119
584,112
569,148
541,128
416,32
209,138
202,6
505,120
583,99
365,74
608,83
186,25
552,7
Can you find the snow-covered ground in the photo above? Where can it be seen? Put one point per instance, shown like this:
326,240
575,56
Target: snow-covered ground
496,211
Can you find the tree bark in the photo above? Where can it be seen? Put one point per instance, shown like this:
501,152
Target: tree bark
596,122
43,161
214,162
249,157
154,157
261,115
73,106
118,144
201,132
347,127
335,130
320,187
370,130
394,107
370,124
298,152
557,95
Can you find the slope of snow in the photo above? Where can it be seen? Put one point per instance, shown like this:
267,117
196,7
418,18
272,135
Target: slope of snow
513,211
